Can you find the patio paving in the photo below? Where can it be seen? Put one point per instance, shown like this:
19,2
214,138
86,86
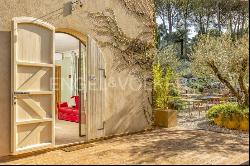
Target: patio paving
67,132
161,146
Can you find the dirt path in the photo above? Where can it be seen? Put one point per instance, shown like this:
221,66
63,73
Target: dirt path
161,146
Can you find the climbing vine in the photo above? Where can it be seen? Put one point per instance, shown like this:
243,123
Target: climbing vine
133,54
143,11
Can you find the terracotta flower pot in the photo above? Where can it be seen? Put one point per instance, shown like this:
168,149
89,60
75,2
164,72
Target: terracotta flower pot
230,124
233,123
244,124
218,120
165,118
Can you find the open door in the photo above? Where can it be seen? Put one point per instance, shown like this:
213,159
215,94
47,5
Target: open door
95,91
58,88
82,89
33,71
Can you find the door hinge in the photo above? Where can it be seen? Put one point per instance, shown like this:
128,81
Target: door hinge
102,126
104,72
14,98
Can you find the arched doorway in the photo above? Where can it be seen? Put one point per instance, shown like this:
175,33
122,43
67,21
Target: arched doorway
78,35
87,86
70,119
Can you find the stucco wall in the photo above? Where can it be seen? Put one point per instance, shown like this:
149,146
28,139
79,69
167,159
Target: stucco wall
5,49
123,99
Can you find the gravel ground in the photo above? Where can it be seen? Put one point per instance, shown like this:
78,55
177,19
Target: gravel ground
201,122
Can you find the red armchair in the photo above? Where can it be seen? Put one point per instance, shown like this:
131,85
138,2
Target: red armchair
69,113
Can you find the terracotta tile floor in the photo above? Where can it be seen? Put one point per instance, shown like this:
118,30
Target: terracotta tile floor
67,132
160,146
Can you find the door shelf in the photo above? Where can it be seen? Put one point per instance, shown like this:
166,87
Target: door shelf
34,64
34,121
36,93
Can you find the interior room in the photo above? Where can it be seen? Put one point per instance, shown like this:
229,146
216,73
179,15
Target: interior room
70,65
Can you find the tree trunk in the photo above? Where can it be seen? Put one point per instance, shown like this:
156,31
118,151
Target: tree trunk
164,23
243,23
225,82
218,15
235,26
242,83
207,24
245,101
170,25
182,47
162,16
186,30
200,24
231,25
238,27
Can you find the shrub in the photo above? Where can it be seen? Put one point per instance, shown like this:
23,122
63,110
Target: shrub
160,87
227,111
174,100
175,103
166,94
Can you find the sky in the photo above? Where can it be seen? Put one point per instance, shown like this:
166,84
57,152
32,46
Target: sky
191,32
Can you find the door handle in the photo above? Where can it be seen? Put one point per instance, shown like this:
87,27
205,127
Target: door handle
21,93
92,77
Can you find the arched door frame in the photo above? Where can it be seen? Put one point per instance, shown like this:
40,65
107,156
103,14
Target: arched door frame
80,36
90,43
82,40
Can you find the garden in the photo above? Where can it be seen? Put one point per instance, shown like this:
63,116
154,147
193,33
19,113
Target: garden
201,70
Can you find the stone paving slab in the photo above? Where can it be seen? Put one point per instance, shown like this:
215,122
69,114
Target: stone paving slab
161,146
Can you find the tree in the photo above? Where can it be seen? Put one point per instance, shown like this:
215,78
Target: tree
226,60
168,12
203,15
168,57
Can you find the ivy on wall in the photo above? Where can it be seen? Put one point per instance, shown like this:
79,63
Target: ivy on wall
133,54
143,11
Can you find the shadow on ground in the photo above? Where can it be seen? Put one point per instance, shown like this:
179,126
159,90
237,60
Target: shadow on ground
159,146
169,144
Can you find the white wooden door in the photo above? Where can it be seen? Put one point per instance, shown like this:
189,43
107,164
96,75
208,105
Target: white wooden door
95,91
33,71
82,89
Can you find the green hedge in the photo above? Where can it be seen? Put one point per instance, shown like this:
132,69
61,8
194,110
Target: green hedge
227,111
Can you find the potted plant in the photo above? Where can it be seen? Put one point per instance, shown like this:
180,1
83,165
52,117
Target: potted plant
166,97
